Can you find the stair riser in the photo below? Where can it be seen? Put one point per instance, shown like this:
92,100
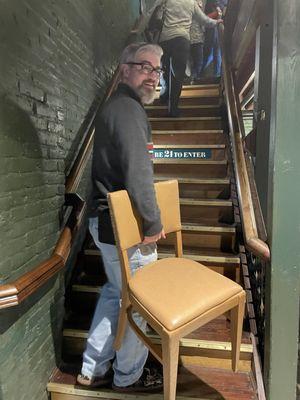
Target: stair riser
91,271
176,123
224,242
76,346
194,101
186,112
190,91
84,303
191,171
206,214
202,138
201,191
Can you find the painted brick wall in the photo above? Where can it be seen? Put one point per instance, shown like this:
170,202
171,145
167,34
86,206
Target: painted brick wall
56,57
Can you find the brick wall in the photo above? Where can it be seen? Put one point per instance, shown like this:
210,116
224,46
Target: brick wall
56,57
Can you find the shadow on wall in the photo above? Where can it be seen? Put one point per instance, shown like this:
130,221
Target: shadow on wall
26,221
22,191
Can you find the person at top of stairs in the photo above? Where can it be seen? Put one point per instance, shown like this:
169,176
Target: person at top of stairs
197,41
121,160
175,42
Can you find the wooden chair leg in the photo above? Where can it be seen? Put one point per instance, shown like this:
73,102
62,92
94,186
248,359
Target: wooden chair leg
237,318
122,324
170,353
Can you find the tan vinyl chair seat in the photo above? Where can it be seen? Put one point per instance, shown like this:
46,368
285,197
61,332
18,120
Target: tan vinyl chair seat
171,300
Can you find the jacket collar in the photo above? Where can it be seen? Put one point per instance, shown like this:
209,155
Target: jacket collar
126,89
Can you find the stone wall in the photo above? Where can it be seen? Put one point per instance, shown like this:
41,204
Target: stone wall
56,57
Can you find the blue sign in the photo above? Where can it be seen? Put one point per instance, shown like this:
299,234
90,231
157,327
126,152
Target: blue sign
180,153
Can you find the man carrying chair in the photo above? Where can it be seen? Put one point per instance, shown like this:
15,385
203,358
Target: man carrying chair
121,160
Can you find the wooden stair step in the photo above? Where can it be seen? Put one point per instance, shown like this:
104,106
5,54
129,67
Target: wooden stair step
190,146
193,382
201,188
190,99
186,123
175,168
207,83
226,264
202,211
205,237
206,202
191,136
201,90
202,110
74,342
197,94
208,88
198,236
86,288
209,257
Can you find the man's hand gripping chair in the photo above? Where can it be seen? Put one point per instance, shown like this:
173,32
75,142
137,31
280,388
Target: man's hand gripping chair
174,295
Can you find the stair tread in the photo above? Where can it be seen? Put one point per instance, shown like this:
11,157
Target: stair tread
204,254
214,332
189,146
190,161
205,181
86,288
184,119
187,250
196,86
183,107
182,132
222,228
206,202
193,382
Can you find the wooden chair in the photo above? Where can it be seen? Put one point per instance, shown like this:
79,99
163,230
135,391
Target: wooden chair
174,295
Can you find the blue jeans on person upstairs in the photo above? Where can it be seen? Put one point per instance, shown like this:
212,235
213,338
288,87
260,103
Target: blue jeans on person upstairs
129,361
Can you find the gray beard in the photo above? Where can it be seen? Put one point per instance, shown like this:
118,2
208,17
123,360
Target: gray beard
146,97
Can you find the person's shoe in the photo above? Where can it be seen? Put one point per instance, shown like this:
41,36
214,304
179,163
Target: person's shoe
187,80
150,381
95,381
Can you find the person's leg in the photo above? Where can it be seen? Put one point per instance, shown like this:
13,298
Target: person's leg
180,51
217,57
130,359
194,60
99,348
208,48
199,59
165,78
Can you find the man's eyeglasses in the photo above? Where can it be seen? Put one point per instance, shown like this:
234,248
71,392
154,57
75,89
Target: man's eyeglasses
147,68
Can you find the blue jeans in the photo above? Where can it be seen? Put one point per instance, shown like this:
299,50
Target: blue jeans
196,59
129,361
212,51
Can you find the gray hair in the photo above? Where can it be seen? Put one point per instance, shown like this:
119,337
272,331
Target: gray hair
131,51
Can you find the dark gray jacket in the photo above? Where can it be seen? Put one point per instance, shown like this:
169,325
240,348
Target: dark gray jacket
121,160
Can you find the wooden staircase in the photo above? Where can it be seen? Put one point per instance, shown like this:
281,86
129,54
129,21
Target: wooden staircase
193,149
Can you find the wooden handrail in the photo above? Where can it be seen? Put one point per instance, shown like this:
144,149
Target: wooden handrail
12,294
252,240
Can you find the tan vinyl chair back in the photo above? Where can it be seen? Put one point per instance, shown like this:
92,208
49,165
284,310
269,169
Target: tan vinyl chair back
127,223
156,290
